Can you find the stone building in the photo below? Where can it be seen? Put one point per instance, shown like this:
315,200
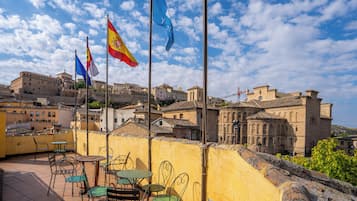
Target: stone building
39,116
165,92
275,122
33,83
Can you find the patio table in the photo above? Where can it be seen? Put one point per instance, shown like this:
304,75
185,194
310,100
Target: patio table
95,159
134,176
59,146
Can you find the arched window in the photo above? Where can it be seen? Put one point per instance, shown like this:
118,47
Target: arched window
233,116
258,127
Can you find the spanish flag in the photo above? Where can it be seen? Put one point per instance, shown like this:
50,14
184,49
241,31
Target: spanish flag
117,48
91,67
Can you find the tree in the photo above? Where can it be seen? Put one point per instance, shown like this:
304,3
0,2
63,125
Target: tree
95,105
327,159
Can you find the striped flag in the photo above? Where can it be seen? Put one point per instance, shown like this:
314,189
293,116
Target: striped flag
91,67
117,48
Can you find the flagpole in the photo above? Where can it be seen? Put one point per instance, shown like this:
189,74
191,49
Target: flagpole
75,102
204,112
107,99
87,106
149,89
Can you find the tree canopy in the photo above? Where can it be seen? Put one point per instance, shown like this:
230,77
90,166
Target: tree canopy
326,158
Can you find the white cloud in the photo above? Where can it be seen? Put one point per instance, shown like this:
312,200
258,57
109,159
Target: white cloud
70,26
46,24
38,3
94,10
216,9
351,26
68,6
127,5
93,32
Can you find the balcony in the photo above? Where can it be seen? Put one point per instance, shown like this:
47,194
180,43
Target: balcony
233,172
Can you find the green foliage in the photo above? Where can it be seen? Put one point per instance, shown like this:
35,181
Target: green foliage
328,160
80,84
95,105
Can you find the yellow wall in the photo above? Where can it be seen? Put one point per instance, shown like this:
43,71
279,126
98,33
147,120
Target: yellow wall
230,177
25,144
2,134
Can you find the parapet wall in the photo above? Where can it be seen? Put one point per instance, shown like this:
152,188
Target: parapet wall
233,172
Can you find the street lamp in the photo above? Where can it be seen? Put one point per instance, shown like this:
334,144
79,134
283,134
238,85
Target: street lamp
236,130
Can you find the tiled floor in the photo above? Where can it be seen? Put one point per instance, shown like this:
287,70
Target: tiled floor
27,179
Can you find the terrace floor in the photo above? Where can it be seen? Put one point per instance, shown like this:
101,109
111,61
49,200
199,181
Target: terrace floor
27,179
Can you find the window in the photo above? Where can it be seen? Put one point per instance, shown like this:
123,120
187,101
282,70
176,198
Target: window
53,114
181,116
115,120
122,120
160,122
264,129
37,114
49,114
174,116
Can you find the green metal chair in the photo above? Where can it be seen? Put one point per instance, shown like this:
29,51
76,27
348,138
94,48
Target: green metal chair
164,176
59,167
97,191
176,189
122,194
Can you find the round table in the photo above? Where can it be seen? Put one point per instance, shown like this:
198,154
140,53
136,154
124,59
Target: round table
95,159
59,146
134,176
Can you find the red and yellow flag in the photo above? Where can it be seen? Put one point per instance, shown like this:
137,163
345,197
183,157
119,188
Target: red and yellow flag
117,48
91,67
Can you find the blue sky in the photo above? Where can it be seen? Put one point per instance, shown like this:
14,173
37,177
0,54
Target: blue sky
289,45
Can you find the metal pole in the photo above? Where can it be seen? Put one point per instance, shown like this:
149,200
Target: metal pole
75,103
149,89
87,121
107,100
204,109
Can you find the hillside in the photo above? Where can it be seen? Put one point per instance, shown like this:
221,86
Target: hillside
337,130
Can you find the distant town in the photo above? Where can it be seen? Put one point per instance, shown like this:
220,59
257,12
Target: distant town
267,120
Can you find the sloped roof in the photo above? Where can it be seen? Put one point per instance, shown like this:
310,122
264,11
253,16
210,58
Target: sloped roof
154,129
178,122
264,115
186,105
281,102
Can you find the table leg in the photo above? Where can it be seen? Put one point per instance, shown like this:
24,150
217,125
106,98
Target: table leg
96,173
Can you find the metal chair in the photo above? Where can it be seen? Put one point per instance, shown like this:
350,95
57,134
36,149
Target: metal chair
164,176
73,178
122,194
59,167
118,163
176,189
40,147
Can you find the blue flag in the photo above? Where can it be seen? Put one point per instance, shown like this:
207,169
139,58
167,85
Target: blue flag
160,18
80,70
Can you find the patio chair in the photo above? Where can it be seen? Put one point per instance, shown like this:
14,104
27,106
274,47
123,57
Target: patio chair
40,147
94,192
176,189
59,167
122,194
118,163
164,176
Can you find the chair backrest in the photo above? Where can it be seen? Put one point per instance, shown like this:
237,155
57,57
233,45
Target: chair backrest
179,185
34,140
52,162
122,194
165,173
120,162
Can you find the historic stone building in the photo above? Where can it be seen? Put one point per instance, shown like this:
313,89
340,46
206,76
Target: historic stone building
33,83
165,92
275,122
191,110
